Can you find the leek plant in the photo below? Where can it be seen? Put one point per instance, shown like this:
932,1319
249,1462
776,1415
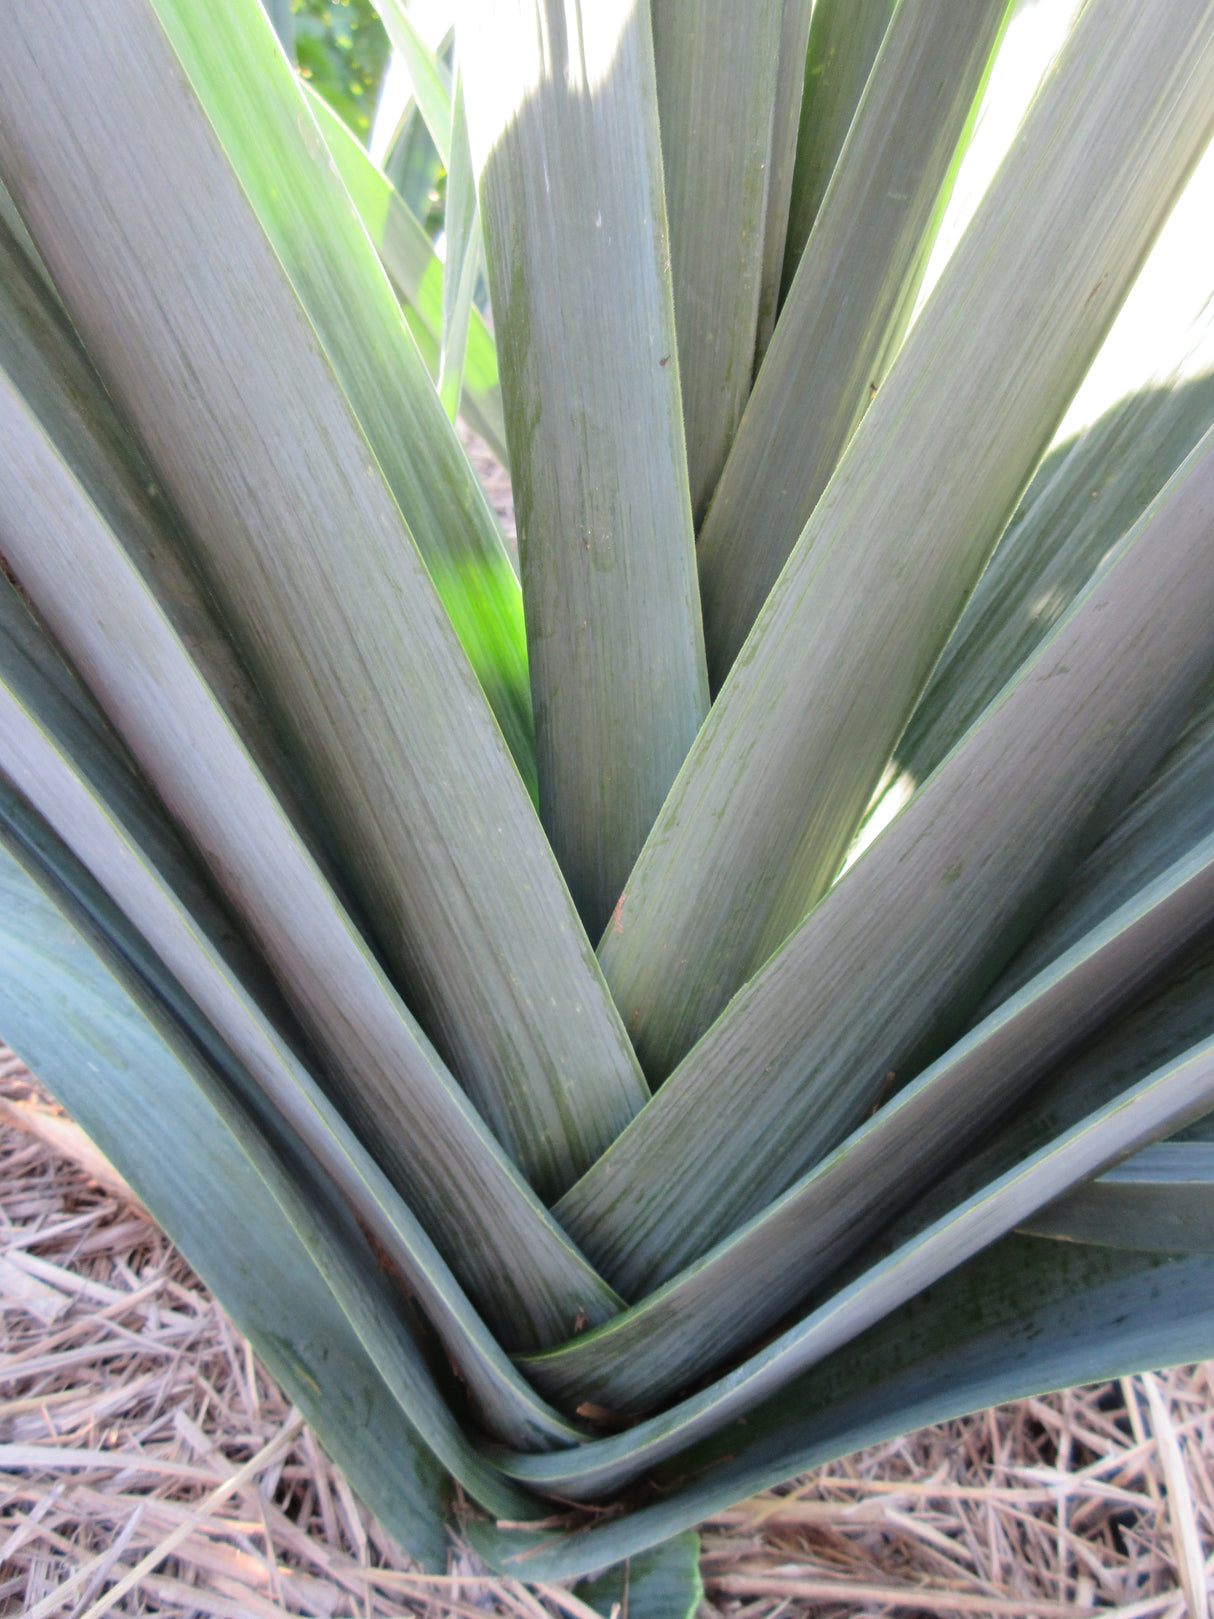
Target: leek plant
475,969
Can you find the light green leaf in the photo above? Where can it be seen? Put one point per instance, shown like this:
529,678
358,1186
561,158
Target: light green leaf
461,223
415,170
848,308
257,108
878,977
715,53
844,38
416,272
563,119
221,370
429,74
248,1211
757,824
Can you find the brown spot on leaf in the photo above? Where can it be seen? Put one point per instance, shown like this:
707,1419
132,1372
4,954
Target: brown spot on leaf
887,1085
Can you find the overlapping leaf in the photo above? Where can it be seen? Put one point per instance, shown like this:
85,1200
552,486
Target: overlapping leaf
759,819
368,819
416,272
872,983
140,630
295,1269
848,308
1025,1316
564,119
752,1279
714,53
302,541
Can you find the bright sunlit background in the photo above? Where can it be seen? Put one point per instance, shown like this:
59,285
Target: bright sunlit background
1166,326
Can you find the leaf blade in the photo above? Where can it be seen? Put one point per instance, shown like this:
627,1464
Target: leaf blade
1081,501
867,985
1087,1315
1160,1200
461,222
756,1276
64,520
843,43
710,53
429,75
68,769
113,1028
759,819
848,307
416,272
935,1237
565,138
785,121
399,755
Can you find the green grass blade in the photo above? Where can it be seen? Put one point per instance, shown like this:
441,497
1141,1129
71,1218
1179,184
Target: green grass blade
879,975
713,53
1161,1200
247,1213
413,166
758,822
1024,1317
396,1088
575,236
757,1276
786,117
481,402
844,38
304,547
1082,499
848,307
416,273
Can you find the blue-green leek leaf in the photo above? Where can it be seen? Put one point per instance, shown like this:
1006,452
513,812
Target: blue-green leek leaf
757,824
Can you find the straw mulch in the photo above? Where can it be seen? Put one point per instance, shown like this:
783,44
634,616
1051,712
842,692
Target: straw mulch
148,1465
